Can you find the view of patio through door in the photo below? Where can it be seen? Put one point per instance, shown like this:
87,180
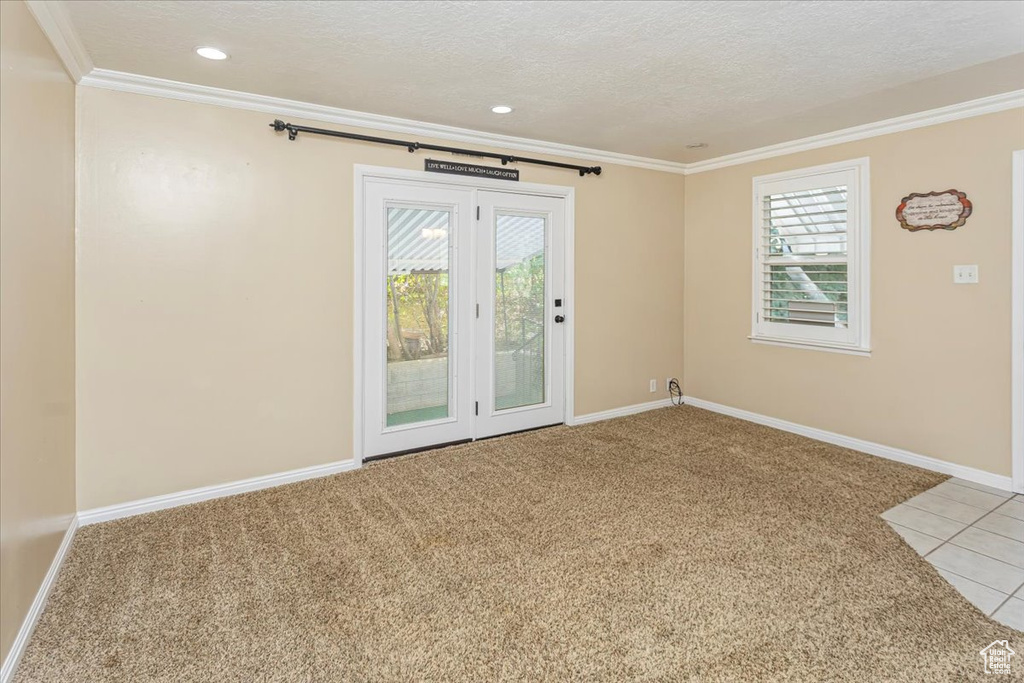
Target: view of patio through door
519,310
463,316
417,289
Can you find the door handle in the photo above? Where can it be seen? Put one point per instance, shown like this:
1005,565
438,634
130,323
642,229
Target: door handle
559,318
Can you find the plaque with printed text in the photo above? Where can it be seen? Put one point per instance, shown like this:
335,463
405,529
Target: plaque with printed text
459,168
934,210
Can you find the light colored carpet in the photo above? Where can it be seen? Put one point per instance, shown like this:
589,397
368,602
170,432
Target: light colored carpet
676,545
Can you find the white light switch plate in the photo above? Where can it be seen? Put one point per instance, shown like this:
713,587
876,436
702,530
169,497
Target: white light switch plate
965,275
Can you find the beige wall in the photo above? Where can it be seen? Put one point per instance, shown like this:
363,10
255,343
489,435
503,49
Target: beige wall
37,324
938,381
215,293
215,304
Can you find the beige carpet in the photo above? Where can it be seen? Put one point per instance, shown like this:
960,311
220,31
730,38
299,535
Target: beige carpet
677,545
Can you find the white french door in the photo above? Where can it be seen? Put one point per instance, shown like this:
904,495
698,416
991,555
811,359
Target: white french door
520,345
418,316
463,315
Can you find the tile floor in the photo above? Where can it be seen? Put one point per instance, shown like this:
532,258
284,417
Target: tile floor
974,537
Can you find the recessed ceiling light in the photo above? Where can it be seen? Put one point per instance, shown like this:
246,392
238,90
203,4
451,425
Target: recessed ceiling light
502,109
697,145
211,53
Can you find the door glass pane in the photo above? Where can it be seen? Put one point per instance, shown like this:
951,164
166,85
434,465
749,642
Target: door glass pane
519,311
417,315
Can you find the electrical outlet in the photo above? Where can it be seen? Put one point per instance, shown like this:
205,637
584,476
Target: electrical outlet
654,385
668,380
965,275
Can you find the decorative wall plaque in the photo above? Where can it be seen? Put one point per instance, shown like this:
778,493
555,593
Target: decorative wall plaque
934,211
459,168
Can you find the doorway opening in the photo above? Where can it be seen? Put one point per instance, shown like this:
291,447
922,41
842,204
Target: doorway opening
463,309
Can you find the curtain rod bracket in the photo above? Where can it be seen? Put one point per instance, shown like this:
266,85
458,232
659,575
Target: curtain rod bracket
280,125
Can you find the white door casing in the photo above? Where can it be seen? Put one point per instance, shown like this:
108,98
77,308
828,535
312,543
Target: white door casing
1017,322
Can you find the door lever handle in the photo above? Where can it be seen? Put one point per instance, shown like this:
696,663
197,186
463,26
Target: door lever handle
559,318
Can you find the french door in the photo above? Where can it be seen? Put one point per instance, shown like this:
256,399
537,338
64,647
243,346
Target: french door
463,314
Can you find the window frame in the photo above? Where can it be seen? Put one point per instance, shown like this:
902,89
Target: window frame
855,338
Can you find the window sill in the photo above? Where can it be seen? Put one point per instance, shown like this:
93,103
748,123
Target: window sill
814,346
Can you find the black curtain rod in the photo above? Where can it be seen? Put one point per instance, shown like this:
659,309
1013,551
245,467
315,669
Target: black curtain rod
294,130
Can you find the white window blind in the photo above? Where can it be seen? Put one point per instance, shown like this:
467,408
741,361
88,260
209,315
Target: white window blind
810,230
810,225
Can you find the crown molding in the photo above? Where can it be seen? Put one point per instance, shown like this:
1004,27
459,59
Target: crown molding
53,19
954,112
56,25
159,87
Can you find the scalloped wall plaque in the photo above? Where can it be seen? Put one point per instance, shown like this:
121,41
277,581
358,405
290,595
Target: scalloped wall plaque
934,210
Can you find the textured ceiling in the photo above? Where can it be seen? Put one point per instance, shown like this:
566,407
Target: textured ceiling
643,78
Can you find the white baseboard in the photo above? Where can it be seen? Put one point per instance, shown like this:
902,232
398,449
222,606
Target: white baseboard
171,500
29,623
619,412
869,447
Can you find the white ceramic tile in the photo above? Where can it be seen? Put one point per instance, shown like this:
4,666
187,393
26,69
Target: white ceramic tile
922,521
980,487
968,496
1011,614
922,543
1019,593
1002,525
984,598
945,507
1012,508
1003,577
993,545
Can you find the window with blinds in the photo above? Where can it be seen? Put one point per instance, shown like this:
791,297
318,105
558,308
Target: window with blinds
810,257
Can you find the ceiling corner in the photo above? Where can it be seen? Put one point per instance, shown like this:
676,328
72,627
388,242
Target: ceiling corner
52,17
